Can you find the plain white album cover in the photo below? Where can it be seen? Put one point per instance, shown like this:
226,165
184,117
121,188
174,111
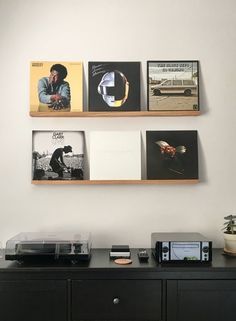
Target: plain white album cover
115,155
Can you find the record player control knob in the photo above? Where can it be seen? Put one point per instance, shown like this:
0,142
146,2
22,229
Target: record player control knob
205,249
116,301
165,249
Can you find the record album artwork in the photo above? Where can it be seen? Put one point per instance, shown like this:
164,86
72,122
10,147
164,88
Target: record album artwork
114,86
56,86
58,155
115,155
173,85
172,154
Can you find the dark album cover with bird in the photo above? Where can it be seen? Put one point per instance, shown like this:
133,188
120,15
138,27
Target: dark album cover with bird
114,86
172,154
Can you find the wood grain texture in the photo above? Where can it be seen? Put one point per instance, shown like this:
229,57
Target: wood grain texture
117,182
118,114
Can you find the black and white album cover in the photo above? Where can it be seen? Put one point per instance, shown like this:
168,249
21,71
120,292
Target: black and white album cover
172,154
114,86
58,155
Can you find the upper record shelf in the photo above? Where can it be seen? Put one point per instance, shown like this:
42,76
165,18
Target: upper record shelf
117,114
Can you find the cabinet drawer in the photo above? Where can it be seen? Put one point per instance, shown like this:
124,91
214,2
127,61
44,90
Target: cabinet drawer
203,300
33,300
116,300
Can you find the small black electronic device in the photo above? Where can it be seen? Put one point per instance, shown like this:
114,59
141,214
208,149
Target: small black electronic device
143,255
119,251
120,248
186,248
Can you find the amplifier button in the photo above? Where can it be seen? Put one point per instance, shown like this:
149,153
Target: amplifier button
165,249
205,249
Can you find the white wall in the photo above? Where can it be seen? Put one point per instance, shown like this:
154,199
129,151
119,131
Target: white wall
119,30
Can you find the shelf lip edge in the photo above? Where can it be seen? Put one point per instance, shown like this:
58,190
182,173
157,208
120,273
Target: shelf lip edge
117,182
117,113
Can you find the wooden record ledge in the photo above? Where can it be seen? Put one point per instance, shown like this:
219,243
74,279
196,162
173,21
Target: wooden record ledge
117,182
117,113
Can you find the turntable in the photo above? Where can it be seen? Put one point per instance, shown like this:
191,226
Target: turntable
49,246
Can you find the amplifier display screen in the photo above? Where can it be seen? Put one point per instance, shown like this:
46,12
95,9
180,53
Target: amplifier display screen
185,251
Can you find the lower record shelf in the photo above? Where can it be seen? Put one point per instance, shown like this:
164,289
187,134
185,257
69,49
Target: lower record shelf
117,182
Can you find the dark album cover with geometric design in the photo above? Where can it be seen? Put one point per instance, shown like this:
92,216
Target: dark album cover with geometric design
172,154
114,86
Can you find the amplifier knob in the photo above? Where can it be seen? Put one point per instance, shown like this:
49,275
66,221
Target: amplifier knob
116,301
165,249
205,249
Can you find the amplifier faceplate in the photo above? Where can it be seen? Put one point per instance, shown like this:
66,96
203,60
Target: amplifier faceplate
181,248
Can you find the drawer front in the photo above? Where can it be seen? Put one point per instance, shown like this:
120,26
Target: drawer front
203,300
33,300
116,300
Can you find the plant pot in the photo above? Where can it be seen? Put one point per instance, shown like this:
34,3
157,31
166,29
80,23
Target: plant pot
230,243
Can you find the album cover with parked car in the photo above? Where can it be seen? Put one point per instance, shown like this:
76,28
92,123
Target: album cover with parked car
172,154
114,86
58,155
173,85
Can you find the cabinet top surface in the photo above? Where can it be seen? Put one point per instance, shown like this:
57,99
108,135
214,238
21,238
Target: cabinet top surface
100,261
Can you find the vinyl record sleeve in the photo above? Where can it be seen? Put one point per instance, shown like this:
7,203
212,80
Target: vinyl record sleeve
58,155
172,154
115,155
173,85
41,87
114,86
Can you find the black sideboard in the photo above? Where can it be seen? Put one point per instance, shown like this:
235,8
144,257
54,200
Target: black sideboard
103,290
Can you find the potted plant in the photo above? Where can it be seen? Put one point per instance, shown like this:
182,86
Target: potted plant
230,234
